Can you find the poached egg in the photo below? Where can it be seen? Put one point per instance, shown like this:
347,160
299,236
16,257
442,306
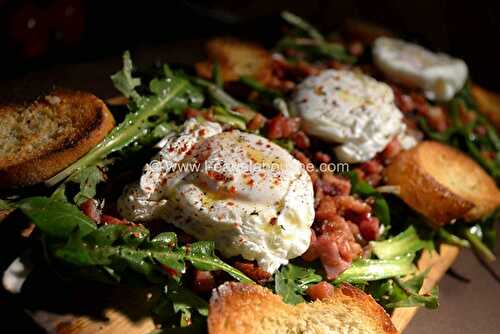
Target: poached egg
351,109
437,74
238,189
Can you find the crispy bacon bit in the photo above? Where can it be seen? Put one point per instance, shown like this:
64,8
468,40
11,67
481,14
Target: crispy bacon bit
392,149
306,69
306,163
169,271
327,209
335,185
253,271
301,140
311,254
369,228
192,113
257,122
106,219
437,118
321,290
336,65
282,127
348,204
322,157
203,281
91,210
403,102
356,48
372,171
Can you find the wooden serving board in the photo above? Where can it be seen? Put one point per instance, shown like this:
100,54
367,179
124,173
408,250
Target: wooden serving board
118,318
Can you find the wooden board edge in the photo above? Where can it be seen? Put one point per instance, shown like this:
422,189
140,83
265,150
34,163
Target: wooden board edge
438,264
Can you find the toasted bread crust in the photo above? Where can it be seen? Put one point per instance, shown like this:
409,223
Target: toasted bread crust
236,58
91,121
443,183
488,103
240,308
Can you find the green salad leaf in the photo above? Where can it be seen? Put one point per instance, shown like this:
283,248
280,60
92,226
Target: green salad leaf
88,178
202,255
311,41
393,293
56,218
364,270
292,281
406,242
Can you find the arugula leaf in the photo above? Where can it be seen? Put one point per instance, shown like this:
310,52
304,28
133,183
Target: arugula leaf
124,81
121,247
404,243
88,178
226,116
172,92
291,282
363,270
393,293
202,255
260,88
412,288
55,218
302,25
5,205
217,75
184,301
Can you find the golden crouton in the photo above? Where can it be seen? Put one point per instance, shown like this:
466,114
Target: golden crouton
236,59
443,183
488,103
250,308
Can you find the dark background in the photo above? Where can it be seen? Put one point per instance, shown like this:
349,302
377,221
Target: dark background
38,33
77,44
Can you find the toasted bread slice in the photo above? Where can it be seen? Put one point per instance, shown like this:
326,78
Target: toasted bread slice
236,59
39,140
488,103
443,183
251,309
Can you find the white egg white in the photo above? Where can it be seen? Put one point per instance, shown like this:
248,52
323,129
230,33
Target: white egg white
437,74
244,192
351,109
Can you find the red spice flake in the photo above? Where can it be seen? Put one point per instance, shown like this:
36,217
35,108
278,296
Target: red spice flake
273,221
202,132
217,176
232,190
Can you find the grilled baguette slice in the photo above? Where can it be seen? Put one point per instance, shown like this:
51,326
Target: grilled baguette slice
488,103
443,183
39,140
236,58
237,308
